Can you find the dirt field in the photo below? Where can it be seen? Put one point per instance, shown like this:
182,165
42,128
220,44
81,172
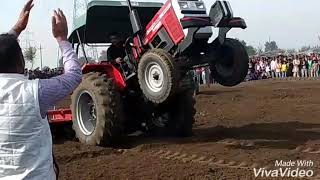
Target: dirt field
239,128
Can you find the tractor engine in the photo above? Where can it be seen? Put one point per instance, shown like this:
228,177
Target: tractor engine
166,30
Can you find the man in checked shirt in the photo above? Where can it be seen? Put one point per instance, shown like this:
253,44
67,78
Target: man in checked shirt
25,137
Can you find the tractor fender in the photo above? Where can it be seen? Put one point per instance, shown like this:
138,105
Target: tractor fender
109,69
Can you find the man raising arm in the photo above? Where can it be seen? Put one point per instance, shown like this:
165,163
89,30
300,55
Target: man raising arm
55,89
25,137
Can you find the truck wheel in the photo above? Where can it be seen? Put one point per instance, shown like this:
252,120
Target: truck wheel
232,63
156,74
174,118
97,111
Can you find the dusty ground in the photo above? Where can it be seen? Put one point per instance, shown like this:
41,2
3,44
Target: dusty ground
238,128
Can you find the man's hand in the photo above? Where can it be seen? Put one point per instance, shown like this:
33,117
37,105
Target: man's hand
59,26
23,18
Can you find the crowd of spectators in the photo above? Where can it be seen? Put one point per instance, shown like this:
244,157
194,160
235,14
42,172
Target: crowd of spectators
44,73
260,67
282,66
276,66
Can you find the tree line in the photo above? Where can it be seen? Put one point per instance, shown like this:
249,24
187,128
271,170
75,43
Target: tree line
272,46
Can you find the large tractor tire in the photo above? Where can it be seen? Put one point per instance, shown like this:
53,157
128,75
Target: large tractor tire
174,117
232,63
157,75
97,111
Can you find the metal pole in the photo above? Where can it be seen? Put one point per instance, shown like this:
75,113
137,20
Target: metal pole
82,46
40,48
129,5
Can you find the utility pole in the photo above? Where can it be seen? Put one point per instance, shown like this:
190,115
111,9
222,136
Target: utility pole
40,50
26,41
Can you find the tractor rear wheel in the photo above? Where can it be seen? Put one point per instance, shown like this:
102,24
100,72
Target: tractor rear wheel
231,66
157,75
97,111
174,117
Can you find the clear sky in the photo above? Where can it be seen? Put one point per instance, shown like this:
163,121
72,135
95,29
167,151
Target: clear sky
292,23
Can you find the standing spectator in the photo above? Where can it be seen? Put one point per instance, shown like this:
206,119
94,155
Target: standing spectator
262,68
198,75
207,75
296,64
284,69
289,68
309,64
203,75
278,69
273,67
304,70
315,69
317,66
268,69
253,63
257,67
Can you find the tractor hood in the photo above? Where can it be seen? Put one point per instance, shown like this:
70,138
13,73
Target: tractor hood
96,19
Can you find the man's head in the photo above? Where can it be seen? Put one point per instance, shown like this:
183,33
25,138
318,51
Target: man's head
115,39
11,57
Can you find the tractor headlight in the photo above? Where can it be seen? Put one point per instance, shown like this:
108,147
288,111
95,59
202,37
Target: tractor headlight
184,5
200,5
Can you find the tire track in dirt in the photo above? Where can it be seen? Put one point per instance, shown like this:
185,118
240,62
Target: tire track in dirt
203,159
241,143
87,154
307,149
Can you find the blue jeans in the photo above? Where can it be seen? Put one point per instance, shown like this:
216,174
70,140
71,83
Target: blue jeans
283,74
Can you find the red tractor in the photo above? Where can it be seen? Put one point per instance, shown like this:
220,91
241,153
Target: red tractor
163,44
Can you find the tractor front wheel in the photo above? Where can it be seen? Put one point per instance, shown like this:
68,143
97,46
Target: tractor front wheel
156,74
97,111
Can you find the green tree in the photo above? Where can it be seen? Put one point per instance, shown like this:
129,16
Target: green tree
260,50
30,55
243,43
250,49
291,51
305,48
271,46
316,49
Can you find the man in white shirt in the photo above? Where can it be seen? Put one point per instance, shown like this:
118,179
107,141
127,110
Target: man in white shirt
25,137
296,64
273,66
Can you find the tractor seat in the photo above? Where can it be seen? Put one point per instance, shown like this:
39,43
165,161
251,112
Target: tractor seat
236,22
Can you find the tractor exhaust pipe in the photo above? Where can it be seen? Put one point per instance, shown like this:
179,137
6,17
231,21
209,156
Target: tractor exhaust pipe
135,22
